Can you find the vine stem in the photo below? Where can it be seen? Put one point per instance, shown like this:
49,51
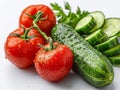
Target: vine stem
38,17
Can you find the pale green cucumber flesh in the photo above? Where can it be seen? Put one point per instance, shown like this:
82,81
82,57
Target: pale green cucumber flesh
94,67
111,26
99,19
85,25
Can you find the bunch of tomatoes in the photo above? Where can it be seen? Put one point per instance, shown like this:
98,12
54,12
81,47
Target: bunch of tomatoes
31,45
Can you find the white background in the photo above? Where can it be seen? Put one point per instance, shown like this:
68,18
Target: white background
12,78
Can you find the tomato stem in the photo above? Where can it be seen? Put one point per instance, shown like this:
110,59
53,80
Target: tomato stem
38,17
25,34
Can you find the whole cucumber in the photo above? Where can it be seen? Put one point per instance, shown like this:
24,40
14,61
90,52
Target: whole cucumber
93,66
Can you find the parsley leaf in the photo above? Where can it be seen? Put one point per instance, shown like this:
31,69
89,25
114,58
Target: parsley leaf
70,18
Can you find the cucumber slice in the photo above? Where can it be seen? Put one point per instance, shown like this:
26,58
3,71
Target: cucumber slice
113,41
102,39
95,36
118,34
99,18
115,60
111,26
113,51
85,25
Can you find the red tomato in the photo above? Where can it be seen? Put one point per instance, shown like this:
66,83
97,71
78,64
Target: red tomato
45,25
21,52
55,64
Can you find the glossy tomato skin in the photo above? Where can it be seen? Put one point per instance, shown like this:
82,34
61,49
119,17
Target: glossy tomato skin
45,25
55,64
22,52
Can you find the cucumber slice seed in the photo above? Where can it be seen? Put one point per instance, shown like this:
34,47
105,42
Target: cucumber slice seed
111,26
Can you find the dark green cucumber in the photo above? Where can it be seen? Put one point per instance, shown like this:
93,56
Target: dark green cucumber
115,60
111,26
113,41
85,25
99,19
95,36
113,51
93,66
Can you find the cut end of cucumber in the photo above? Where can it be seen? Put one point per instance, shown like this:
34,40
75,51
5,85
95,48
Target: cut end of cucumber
110,77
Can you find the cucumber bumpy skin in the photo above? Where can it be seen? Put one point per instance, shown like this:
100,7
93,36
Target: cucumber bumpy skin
93,66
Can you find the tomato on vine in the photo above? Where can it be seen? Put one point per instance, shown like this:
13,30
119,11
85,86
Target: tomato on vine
55,64
21,46
27,46
47,22
54,60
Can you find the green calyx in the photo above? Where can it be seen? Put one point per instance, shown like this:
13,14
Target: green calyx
52,46
36,16
25,35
